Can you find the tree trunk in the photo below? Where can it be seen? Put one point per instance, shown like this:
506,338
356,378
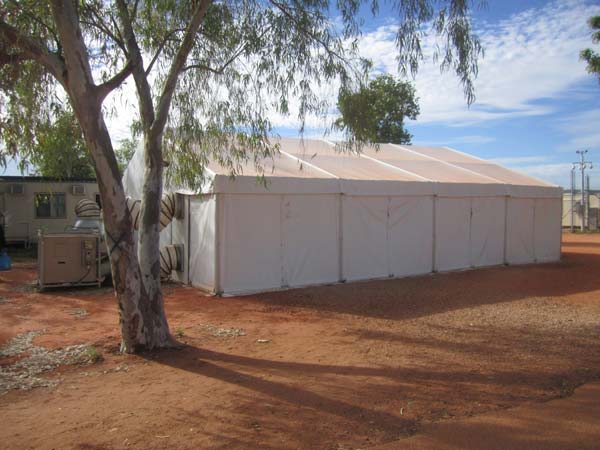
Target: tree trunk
141,317
149,234
142,320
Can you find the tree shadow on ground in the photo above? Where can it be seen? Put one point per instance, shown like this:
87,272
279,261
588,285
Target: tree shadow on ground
414,297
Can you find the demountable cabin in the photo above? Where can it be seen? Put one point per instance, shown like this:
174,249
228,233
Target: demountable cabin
326,217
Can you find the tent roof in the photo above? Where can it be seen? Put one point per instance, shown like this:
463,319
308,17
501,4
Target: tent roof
314,166
310,158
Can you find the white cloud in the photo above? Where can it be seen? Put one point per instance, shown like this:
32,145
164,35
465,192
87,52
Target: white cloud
559,174
584,129
529,57
469,139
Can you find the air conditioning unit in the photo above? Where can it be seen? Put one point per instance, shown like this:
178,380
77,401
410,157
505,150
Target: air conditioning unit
78,189
16,189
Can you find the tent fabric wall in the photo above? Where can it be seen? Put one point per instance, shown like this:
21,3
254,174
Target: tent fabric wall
309,239
364,241
202,241
519,232
250,243
487,231
452,228
410,235
180,235
278,241
548,229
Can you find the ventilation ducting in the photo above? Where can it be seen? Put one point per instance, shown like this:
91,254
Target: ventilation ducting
87,208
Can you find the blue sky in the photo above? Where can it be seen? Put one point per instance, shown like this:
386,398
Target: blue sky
535,106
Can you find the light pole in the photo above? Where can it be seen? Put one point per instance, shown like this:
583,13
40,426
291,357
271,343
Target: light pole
582,164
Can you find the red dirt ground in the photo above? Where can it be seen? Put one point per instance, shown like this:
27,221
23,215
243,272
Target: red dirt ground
345,366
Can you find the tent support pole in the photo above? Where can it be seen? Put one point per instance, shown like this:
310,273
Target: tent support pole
218,208
341,238
504,255
533,234
560,228
433,238
189,229
471,263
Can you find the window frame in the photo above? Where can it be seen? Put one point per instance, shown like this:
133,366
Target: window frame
53,205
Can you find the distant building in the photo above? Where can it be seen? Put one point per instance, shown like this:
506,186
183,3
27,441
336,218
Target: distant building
29,203
593,214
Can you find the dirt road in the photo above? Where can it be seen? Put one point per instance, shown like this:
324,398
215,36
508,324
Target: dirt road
334,367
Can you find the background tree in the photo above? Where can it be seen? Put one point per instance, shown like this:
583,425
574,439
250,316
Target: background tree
588,55
376,112
222,67
125,151
60,149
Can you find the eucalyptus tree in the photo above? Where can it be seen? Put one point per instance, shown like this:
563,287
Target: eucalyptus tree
59,149
376,112
208,76
588,55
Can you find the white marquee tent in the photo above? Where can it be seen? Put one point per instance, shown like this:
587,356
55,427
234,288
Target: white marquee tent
326,217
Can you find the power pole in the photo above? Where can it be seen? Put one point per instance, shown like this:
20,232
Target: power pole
573,198
582,164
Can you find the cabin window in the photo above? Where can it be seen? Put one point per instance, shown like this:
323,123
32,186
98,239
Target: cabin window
50,205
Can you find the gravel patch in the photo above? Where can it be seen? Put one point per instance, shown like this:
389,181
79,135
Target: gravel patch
78,312
224,332
24,373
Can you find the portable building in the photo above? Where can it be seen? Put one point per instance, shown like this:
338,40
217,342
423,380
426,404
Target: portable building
326,217
31,203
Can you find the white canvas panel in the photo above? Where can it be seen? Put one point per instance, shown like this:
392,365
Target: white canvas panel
519,231
250,243
202,241
166,235
487,231
310,239
133,176
364,247
452,249
547,229
410,235
179,235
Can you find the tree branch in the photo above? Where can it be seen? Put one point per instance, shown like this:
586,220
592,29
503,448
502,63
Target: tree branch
227,63
111,84
308,33
168,36
187,44
13,58
31,49
135,55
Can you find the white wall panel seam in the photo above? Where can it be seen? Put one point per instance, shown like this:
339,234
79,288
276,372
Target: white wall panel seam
341,237
471,233
387,237
189,237
450,164
535,202
504,252
219,199
433,236
282,244
562,205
